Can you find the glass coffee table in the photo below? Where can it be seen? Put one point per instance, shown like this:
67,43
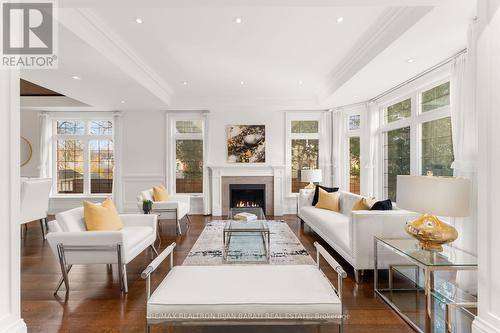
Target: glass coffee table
246,242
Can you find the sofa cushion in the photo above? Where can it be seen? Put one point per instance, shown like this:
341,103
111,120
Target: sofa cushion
363,204
328,201
316,192
347,201
135,235
382,205
71,220
334,226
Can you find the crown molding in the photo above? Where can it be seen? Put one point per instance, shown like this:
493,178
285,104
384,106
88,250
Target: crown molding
85,24
389,26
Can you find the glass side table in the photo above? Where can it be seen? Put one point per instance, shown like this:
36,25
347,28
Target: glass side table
425,288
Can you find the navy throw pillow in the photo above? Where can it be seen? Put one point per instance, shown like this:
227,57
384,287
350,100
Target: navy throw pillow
327,189
382,205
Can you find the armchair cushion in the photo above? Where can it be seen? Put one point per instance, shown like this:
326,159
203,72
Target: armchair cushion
101,216
160,193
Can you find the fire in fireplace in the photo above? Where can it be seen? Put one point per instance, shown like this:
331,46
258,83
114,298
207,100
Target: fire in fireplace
247,195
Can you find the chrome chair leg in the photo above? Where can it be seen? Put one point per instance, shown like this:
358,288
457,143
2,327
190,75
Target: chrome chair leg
189,219
64,267
61,280
154,249
124,278
44,237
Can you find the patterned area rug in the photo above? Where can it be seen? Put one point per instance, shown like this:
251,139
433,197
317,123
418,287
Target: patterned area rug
285,248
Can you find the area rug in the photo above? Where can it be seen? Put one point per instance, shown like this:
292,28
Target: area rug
285,248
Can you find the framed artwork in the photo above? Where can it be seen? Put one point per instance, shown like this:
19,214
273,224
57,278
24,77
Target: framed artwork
246,143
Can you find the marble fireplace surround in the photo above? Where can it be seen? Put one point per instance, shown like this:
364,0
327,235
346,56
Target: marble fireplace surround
223,176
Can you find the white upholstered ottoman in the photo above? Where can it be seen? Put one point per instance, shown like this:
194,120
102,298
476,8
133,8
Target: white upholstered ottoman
244,294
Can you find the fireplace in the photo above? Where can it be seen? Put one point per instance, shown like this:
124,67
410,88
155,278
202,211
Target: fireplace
247,195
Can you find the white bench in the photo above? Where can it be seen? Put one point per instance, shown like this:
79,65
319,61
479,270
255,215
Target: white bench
244,294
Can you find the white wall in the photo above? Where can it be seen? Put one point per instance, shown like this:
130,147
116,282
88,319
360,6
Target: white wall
144,146
488,82
30,129
275,135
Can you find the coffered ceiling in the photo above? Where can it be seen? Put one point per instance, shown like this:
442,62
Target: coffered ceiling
290,54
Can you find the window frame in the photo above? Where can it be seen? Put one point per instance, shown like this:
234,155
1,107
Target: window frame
415,121
85,138
172,137
322,137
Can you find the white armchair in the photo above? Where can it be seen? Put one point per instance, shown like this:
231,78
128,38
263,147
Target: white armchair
35,201
176,208
74,245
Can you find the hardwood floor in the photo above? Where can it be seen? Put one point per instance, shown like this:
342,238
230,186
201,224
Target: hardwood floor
95,303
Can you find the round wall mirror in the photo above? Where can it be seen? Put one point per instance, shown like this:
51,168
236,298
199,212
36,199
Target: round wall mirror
26,151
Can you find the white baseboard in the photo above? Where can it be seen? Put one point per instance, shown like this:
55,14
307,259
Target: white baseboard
481,326
11,324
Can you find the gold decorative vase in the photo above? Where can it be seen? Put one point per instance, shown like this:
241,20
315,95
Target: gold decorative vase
431,232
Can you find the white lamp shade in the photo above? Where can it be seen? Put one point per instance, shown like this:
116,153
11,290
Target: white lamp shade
311,175
442,196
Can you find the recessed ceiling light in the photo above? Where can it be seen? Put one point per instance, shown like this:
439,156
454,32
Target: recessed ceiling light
123,102
410,60
301,82
76,77
340,19
139,20
184,83
242,82
238,20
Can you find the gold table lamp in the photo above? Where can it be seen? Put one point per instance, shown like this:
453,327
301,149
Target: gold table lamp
433,196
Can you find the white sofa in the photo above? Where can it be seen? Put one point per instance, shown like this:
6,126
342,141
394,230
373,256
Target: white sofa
351,233
175,208
74,245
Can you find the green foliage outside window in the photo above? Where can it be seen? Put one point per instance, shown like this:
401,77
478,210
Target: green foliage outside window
398,111
189,166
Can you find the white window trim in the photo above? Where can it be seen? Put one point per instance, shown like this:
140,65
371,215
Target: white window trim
324,143
415,122
172,137
85,138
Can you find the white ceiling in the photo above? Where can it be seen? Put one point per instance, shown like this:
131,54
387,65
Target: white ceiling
291,54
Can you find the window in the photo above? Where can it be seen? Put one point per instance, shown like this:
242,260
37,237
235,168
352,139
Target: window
354,165
398,111
188,150
353,155
302,146
84,159
305,155
417,136
354,122
436,97
396,159
437,147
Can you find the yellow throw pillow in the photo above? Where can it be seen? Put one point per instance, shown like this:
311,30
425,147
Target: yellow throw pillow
364,204
103,217
328,201
160,193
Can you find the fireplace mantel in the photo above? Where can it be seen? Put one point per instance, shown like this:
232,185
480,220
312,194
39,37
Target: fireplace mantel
239,170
